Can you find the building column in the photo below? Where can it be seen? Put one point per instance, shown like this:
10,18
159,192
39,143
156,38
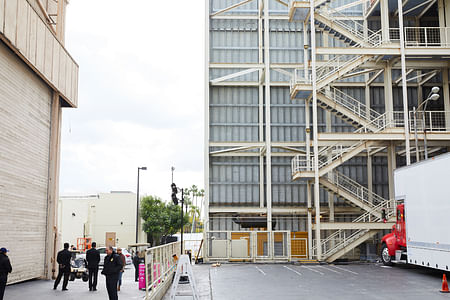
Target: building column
309,205
392,164
268,124
315,132
388,97
52,237
446,96
384,11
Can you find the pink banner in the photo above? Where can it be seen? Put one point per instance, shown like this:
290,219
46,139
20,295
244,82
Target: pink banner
142,276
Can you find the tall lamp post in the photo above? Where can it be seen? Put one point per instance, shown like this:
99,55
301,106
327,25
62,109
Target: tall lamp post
175,191
137,203
433,96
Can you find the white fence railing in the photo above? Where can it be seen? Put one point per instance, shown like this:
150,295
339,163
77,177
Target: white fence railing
431,121
248,245
428,37
159,267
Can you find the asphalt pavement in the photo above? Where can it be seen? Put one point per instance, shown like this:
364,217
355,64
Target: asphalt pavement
268,281
43,289
353,281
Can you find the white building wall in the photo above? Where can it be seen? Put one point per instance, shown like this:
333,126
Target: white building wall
96,215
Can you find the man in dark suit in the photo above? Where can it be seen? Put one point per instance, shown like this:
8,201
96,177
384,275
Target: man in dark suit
5,269
136,262
111,269
63,260
93,259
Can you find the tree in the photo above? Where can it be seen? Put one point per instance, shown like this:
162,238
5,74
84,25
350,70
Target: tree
160,219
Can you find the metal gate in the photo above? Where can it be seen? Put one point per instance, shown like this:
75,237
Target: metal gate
299,245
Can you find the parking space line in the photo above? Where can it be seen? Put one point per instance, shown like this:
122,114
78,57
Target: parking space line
346,270
260,270
330,269
296,272
311,269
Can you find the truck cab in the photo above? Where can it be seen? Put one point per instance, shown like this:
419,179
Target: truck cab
396,240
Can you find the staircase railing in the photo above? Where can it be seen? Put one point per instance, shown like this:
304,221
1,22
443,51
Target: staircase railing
373,38
340,239
351,104
357,190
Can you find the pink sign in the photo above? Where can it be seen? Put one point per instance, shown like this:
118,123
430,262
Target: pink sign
157,272
141,276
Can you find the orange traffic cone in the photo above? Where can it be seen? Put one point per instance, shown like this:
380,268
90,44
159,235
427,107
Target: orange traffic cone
444,285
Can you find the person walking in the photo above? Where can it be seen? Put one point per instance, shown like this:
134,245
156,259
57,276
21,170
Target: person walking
5,269
63,259
111,269
136,262
124,263
93,259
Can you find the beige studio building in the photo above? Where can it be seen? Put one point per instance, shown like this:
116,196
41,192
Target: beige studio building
38,78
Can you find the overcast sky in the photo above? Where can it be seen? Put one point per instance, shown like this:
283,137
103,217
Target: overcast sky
141,92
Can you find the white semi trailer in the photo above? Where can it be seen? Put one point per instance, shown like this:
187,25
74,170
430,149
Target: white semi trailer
422,232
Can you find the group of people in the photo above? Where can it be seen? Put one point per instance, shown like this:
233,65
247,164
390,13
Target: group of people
113,268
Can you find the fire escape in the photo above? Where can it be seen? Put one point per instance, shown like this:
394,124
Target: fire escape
373,132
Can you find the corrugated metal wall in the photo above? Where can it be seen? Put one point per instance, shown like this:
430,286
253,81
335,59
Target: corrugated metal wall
25,109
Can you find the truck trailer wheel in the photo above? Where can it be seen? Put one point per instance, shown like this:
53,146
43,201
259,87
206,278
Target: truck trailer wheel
385,257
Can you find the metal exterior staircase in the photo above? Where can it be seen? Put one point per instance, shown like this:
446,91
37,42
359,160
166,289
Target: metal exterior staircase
350,190
329,158
341,241
354,112
349,109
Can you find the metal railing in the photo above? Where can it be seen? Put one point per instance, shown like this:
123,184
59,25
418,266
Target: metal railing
248,245
426,37
357,190
351,104
431,121
384,121
327,155
338,62
343,237
159,267
373,38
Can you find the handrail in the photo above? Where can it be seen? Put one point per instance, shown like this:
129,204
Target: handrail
422,37
352,104
387,205
359,191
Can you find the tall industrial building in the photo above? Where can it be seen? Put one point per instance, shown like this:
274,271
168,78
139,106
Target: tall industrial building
38,77
310,107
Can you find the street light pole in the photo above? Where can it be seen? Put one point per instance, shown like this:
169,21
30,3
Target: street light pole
173,169
137,203
434,96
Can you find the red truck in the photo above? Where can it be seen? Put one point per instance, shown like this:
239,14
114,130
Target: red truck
396,240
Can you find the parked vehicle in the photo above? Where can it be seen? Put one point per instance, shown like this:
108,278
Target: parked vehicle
102,250
78,269
420,235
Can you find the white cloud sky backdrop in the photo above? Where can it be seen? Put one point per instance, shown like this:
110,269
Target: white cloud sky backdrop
141,92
